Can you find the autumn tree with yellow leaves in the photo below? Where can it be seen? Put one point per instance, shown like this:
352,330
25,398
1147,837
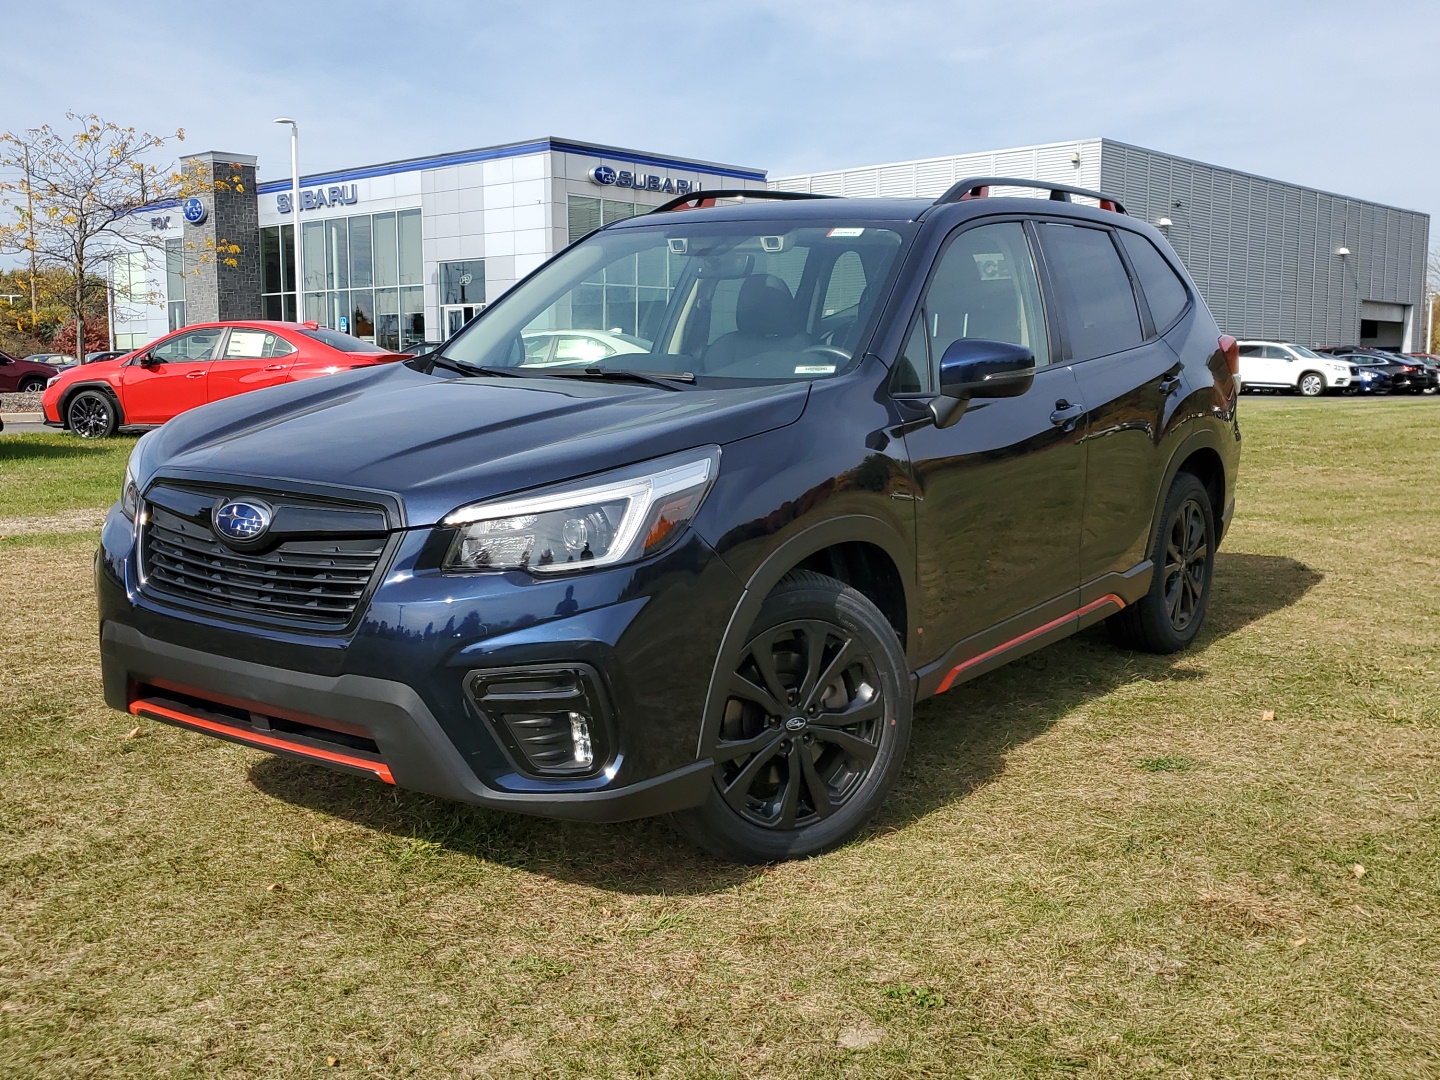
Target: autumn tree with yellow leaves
69,202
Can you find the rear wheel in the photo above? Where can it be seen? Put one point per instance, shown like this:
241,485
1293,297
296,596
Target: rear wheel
33,385
1312,384
814,729
92,415
1169,616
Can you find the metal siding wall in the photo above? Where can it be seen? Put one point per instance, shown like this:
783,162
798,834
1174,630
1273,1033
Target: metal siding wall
1261,251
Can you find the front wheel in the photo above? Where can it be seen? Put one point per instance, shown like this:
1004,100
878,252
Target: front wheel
1169,616
32,385
92,415
1312,384
814,729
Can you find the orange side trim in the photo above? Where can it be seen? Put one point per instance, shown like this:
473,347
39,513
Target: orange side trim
1094,605
255,738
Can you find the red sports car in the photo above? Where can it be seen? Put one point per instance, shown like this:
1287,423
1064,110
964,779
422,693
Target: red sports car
195,365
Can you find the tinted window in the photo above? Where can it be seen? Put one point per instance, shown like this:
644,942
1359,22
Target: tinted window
985,287
341,342
1099,306
1164,291
1250,350
912,367
255,345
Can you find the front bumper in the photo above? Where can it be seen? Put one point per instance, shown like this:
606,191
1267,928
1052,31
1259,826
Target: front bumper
388,699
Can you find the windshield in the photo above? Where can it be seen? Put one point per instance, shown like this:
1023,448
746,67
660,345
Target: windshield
758,301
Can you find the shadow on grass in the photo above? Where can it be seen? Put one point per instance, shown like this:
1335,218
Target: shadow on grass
960,743
32,446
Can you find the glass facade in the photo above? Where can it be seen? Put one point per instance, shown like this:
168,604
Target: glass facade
362,275
175,282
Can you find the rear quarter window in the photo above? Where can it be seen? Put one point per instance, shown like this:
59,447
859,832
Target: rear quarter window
1096,299
1164,291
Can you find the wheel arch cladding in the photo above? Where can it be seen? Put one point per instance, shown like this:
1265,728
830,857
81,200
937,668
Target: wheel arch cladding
870,571
100,388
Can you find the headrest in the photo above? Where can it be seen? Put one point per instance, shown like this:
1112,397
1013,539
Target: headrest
765,306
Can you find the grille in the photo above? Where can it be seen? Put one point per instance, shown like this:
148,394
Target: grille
314,580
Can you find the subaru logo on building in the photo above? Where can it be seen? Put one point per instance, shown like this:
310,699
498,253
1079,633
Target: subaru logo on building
608,177
602,174
241,522
194,210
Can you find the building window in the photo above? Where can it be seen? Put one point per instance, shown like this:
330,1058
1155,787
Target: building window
587,214
175,282
363,275
462,282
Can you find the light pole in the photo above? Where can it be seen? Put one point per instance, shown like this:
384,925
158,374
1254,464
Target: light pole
295,211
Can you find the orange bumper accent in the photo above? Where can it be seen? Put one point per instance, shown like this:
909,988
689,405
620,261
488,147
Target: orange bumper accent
149,709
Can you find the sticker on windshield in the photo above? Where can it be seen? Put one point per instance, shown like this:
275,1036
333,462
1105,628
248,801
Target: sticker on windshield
846,232
815,369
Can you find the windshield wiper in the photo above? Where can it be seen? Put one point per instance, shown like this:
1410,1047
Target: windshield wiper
664,379
464,367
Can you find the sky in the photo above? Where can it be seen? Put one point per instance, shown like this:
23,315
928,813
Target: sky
1339,96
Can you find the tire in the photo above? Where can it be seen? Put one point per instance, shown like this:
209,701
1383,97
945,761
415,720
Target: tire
92,415
791,780
1311,384
33,385
1169,616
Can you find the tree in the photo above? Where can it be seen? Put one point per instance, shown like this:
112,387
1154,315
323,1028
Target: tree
1432,300
75,200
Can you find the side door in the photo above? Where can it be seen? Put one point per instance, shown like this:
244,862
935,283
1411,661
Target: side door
1130,380
250,359
169,377
1000,490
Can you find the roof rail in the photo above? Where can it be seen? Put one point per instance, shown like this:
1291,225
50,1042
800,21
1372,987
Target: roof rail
703,198
978,187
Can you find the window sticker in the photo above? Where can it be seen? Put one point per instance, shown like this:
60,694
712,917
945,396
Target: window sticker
993,266
846,232
815,369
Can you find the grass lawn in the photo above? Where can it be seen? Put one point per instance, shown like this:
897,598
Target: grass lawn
1097,864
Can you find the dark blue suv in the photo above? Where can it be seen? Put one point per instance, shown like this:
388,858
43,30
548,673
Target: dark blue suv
802,462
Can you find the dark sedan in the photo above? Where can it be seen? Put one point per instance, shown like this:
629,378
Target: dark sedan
1406,375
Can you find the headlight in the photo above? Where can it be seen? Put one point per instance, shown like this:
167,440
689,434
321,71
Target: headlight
624,515
130,492
51,381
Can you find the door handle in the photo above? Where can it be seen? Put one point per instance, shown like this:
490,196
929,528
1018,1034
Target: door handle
1066,414
195,374
274,367
1169,384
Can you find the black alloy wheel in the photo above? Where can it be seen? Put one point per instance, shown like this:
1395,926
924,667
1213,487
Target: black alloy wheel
1186,570
1169,616
814,727
92,415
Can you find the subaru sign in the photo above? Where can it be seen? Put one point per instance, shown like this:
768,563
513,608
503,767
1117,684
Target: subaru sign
315,198
194,210
624,178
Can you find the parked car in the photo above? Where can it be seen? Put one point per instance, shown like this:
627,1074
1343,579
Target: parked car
544,348
23,376
710,578
1406,376
1370,380
54,359
196,365
1431,364
106,354
1281,365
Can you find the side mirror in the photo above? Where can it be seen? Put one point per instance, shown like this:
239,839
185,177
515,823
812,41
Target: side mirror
979,368
975,367
144,359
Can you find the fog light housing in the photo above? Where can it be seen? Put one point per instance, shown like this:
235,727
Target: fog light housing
551,720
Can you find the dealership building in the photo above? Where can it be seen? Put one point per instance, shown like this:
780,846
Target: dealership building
411,250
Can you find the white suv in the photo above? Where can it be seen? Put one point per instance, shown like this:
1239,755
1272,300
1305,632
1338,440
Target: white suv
1280,365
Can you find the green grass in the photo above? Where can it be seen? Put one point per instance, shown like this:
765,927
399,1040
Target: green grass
46,475
1096,864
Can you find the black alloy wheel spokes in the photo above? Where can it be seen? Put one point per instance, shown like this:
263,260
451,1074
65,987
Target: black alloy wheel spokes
1186,554
802,725
88,418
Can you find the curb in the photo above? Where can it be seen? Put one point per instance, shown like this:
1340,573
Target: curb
23,417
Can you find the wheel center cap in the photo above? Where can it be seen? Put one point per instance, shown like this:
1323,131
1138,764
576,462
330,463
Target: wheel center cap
795,723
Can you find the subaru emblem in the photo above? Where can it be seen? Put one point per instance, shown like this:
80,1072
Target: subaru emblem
241,522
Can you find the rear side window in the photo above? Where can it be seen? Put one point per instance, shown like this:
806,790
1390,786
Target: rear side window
343,342
1096,298
1164,291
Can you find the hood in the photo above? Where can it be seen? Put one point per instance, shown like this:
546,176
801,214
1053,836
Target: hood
437,443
